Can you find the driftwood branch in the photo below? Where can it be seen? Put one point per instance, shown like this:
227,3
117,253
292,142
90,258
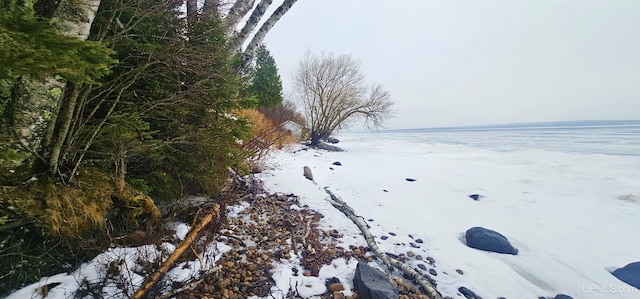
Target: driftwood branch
422,279
152,279
190,285
350,213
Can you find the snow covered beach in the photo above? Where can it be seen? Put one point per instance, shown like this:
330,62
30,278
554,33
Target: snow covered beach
573,214
569,201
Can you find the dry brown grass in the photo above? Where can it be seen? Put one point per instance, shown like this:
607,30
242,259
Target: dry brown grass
264,133
47,227
63,211
73,212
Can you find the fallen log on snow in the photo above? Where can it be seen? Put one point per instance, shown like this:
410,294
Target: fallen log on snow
422,279
152,279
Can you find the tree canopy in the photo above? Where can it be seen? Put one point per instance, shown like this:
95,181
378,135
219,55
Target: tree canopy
145,106
332,91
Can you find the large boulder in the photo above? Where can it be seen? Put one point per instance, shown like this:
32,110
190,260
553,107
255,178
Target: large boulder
372,283
629,274
489,240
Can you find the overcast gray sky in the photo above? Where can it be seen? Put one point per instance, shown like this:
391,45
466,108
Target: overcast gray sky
456,62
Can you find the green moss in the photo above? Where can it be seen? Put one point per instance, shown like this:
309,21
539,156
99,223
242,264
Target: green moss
55,92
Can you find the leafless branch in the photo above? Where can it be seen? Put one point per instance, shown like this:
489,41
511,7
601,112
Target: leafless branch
332,92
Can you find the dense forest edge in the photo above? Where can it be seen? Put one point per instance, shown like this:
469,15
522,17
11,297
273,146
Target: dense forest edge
113,111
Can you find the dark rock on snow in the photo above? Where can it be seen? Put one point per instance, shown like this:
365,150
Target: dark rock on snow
331,280
419,241
562,296
422,266
629,274
468,293
475,196
433,272
489,240
384,237
392,233
373,283
410,180
336,163
333,140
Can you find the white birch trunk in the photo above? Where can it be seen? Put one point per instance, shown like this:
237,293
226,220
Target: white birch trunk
36,104
251,24
264,29
76,16
239,9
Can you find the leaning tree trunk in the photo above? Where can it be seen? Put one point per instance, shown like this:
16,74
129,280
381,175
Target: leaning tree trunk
251,24
63,129
264,29
239,9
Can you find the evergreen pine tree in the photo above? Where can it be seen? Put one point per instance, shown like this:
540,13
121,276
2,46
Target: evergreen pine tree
266,83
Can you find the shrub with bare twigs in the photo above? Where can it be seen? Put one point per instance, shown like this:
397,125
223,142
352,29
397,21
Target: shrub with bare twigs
265,135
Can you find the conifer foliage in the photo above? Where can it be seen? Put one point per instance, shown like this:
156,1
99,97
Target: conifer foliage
145,108
266,83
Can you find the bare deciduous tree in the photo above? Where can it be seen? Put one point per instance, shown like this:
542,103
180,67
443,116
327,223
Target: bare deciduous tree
332,91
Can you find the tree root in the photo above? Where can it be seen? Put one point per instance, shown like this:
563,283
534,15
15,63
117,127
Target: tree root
422,279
